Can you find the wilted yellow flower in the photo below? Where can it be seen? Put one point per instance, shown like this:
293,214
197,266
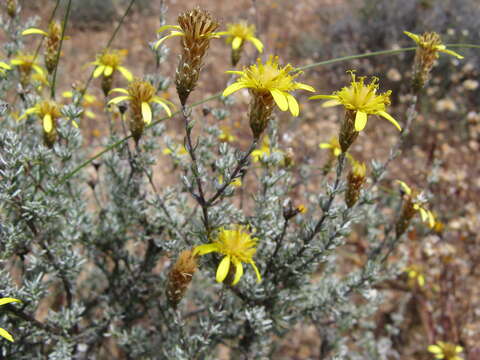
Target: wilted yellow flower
430,41
226,134
110,61
426,215
415,275
270,80
333,145
237,246
361,99
4,333
446,350
53,35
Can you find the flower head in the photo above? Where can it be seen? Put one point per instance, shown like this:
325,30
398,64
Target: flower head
110,61
237,246
140,94
446,350
48,111
361,99
333,145
238,34
417,204
415,276
431,42
176,150
26,63
4,333
226,134
264,150
270,80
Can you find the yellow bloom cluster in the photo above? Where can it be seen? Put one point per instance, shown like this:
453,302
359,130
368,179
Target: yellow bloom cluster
446,350
238,34
426,215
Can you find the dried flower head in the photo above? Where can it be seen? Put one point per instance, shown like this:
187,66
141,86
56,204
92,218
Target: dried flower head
180,277
197,28
4,333
237,246
268,83
53,36
355,180
446,350
237,35
429,45
140,94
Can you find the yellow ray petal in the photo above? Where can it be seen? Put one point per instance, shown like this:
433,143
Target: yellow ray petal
412,36
201,249
360,120
331,103
234,87
119,99
257,43
146,113
305,87
172,34
314,97
120,90
238,270
125,72
162,103
237,42
293,105
223,268
34,31
47,123
5,334
453,53
259,277
390,118
8,300
98,71
108,71
280,99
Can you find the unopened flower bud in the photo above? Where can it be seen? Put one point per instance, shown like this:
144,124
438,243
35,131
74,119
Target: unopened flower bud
180,277
355,180
348,134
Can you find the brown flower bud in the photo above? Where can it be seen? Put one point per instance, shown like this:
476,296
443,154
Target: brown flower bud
408,211
355,180
348,134
180,277
53,42
198,28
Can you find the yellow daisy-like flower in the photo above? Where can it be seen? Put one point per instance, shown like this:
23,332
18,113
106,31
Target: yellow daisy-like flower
25,64
238,247
4,333
333,145
48,111
272,80
446,350
177,150
226,134
415,275
264,150
88,101
426,215
238,34
4,67
110,61
140,94
431,42
362,99
237,182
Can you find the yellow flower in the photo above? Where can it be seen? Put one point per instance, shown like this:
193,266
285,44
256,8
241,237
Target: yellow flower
4,67
110,61
46,110
226,134
140,94
271,80
431,42
333,145
362,99
302,209
88,101
264,150
26,63
237,34
237,182
177,150
415,275
426,215
238,247
446,350
4,333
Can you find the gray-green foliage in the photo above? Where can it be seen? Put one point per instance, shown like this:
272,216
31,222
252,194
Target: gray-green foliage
90,256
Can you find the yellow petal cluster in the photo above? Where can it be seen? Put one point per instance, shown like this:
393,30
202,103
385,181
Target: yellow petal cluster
431,42
270,78
110,61
361,98
237,246
48,111
238,34
446,350
426,215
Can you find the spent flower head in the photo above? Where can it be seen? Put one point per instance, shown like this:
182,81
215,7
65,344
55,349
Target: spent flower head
446,351
431,42
4,333
418,204
237,246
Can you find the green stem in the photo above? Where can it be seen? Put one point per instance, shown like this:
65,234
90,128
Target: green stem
65,21
217,95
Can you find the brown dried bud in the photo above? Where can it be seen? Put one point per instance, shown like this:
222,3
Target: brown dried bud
408,211
425,57
355,180
198,28
180,277
348,134
261,107
53,42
